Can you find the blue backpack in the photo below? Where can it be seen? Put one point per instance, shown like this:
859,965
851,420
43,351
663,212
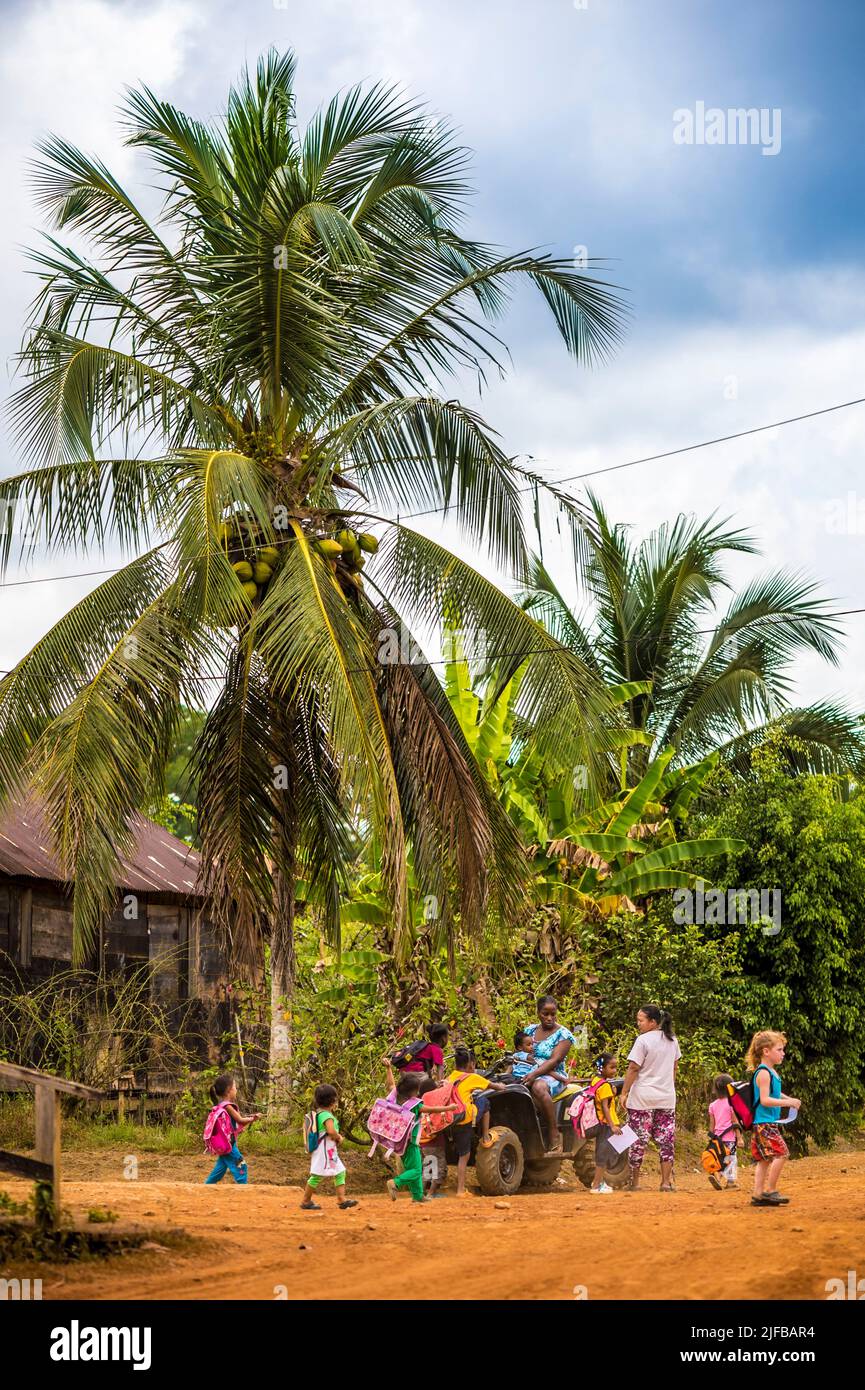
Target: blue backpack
311,1136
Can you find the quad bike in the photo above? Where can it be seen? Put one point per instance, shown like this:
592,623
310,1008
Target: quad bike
517,1156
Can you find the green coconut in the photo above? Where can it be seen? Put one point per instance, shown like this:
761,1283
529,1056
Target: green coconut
368,543
330,548
347,539
243,569
261,572
251,590
269,555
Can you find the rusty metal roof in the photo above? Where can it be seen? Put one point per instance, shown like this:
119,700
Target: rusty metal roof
160,863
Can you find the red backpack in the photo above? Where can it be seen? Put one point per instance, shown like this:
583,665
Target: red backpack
743,1098
431,1125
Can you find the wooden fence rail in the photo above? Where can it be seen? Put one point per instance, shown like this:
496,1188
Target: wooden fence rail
45,1167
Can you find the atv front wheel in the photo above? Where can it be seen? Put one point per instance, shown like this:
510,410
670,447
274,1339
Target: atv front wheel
499,1168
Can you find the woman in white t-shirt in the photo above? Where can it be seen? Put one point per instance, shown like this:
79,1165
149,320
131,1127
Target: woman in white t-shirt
649,1092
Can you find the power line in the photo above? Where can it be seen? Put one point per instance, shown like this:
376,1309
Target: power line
530,487
54,578
668,453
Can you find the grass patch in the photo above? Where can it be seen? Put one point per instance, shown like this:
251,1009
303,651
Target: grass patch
24,1242
83,1132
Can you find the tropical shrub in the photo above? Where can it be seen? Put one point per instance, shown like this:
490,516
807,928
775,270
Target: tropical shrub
808,979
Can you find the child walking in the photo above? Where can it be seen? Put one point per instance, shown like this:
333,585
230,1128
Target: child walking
768,1148
223,1093
608,1117
406,1092
325,1161
724,1125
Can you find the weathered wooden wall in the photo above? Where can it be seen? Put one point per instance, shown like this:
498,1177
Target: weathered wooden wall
36,935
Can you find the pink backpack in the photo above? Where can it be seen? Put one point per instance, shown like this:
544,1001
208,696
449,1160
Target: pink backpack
583,1114
218,1131
390,1125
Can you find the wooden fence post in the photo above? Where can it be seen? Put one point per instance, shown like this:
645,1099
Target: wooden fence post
48,1139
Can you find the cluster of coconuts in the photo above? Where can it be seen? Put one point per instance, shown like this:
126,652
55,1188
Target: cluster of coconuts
346,553
256,564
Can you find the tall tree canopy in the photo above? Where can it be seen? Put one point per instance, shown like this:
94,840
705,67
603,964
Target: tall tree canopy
235,391
715,681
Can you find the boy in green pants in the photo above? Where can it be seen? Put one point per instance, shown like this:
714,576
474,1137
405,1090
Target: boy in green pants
405,1092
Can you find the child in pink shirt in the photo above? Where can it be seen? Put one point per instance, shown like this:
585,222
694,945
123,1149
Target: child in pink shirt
723,1124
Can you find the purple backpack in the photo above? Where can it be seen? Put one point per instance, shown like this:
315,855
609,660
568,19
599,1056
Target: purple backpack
218,1131
390,1125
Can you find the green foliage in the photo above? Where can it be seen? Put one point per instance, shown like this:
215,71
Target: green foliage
808,980
343,1026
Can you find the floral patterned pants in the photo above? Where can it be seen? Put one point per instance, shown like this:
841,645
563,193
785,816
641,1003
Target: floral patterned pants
659,1125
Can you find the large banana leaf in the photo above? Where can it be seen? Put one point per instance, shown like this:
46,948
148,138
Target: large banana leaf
678,853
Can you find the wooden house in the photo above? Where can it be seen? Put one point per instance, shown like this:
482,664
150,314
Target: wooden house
158,917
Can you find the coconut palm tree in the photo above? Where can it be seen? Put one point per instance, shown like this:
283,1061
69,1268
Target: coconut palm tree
713,683
242,392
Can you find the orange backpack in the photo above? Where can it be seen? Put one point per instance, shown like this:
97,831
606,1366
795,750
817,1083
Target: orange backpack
432,1125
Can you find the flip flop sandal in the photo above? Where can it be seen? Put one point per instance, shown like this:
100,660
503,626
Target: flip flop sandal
775,1199
347,1203
310,1206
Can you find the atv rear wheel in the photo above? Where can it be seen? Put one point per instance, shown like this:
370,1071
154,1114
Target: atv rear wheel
541,1172
499,1168
584,1164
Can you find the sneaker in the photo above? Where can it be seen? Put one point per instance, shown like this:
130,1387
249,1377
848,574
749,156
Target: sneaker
604,1187
775,1199
391,1189
716,1182
349,1202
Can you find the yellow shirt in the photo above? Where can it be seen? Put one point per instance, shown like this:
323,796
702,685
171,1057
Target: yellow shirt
466,1082
606,1092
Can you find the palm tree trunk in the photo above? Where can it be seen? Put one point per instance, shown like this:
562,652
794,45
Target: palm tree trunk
281,997
282,957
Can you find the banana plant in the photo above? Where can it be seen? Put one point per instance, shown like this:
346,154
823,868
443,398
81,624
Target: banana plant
601,858
632,856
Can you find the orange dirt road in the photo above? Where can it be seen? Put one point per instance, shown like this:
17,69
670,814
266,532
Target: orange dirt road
694,1244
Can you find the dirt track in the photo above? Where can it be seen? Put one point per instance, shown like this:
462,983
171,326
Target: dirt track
694,1244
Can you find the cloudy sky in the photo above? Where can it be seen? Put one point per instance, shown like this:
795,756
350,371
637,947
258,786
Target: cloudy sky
745,270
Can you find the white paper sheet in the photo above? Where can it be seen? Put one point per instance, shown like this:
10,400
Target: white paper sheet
622,1141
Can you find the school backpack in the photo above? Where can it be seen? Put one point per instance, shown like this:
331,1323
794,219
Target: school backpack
409,1054
218,1133
431,1125
714,1156
742,1096
390,1125
311,1136
584,1115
